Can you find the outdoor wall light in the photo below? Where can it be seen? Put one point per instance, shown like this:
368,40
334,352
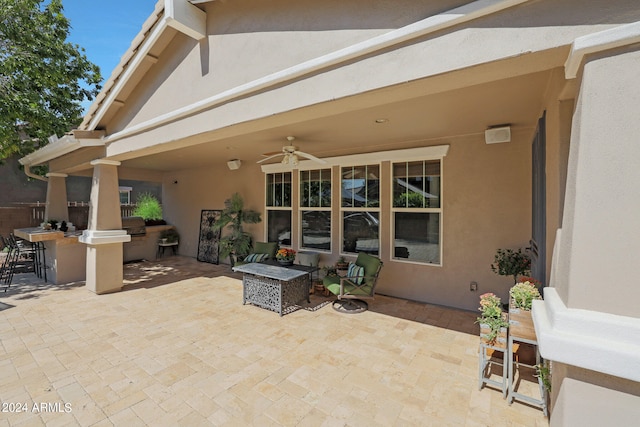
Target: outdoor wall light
497,134
234,164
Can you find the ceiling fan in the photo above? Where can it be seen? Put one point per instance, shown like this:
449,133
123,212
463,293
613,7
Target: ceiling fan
291,154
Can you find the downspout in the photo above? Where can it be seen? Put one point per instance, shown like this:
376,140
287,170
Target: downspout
27,171
457,16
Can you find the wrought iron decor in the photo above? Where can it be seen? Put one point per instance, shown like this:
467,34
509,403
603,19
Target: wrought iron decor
209,243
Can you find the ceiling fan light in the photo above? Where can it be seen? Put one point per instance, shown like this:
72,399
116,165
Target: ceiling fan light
285,159
294,160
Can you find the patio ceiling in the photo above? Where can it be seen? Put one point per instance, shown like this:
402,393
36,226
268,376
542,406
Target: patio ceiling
410,122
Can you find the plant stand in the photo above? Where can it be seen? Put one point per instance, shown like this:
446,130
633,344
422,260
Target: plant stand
489,357
521,330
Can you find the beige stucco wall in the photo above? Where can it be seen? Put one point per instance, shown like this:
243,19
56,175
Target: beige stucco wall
600,227
597,253
487,205
188,71
187,192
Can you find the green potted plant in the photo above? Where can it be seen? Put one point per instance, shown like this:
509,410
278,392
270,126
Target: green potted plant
148,208
521,296
329,270
508,262
342,263
236,244
523,293
170,236
493,322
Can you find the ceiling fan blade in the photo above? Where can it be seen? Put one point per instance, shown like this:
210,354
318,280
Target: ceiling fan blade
309,156
271,153
270,157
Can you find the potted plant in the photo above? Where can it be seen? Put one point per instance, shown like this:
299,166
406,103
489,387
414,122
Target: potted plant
493,323
170,236
342,263
236,244
285,256
523,293
148,208
521,296
508,262
330,270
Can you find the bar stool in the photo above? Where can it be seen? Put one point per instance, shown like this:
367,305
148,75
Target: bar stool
23,256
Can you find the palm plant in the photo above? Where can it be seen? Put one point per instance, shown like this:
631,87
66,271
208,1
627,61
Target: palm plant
236,244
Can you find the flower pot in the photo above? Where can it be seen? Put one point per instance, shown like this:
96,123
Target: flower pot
500,340
285,261
521,323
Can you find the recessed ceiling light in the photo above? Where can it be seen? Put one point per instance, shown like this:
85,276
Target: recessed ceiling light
381,120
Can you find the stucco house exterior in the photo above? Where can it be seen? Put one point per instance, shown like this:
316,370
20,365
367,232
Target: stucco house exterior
446,130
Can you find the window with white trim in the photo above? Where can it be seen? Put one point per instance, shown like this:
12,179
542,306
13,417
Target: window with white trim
360,209
417,211
125,195
315,209
278,197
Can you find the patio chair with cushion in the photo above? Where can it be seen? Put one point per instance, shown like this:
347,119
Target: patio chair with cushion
357,285
262,251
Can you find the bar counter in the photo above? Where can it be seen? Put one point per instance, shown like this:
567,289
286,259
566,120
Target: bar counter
65,257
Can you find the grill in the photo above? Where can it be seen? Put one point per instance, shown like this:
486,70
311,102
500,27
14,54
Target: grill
134,225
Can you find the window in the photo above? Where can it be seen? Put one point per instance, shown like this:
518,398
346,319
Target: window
417,211
315,209
360,209
279,208
125,195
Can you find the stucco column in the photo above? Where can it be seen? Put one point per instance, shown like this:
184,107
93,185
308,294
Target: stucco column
105,236
56,207
589,321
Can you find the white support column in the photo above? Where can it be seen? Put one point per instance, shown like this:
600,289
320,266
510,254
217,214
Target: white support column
56,207
105,236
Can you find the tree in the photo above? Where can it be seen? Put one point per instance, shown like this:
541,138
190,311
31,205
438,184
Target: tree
43,78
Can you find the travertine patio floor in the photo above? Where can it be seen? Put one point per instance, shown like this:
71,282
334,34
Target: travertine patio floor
177,347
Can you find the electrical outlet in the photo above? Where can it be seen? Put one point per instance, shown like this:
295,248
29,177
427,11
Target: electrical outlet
473,286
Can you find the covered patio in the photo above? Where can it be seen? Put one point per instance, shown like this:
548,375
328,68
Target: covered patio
177,347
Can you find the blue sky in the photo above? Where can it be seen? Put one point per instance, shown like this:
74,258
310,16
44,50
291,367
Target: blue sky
105,28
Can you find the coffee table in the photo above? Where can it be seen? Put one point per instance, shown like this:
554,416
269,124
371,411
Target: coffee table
274,287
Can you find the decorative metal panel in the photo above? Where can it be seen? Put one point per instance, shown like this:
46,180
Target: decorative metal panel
209,243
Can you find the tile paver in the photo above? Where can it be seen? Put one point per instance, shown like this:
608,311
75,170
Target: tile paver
177,347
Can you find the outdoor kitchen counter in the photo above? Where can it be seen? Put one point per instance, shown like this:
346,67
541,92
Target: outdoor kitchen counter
37,234
65,257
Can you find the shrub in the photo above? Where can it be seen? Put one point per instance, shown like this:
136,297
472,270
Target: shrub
148,207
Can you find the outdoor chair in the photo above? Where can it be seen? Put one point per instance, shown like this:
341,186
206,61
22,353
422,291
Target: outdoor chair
359,284
262,251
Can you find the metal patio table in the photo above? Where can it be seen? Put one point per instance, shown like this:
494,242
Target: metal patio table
275,287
